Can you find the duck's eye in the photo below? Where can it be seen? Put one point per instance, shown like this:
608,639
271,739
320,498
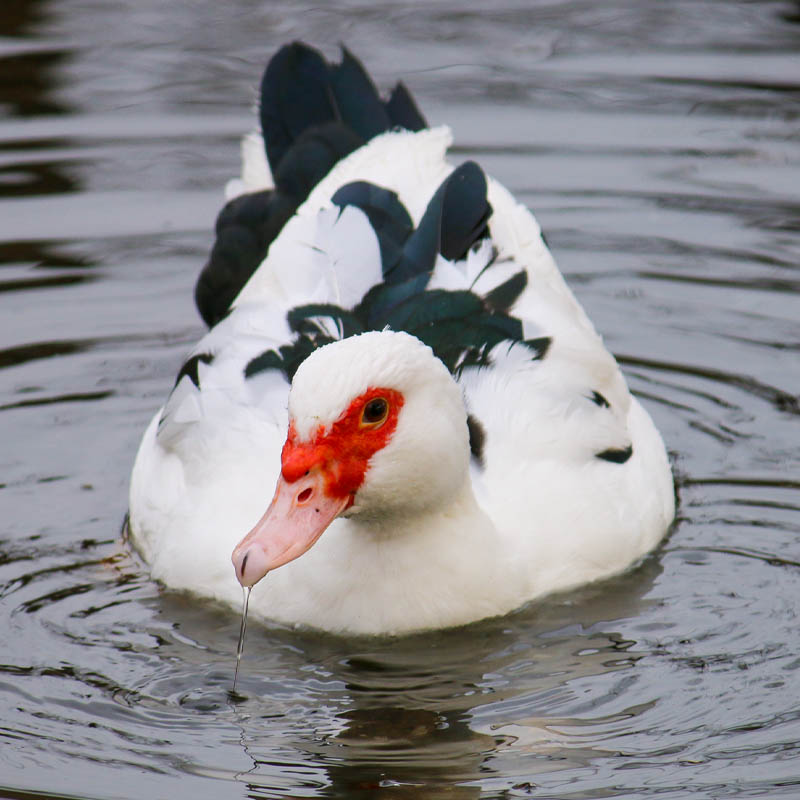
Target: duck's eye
375,412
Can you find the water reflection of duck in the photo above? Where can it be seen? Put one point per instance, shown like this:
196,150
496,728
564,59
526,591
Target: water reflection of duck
454,419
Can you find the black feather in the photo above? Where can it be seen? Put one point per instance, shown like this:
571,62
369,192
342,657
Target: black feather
433,307
454,220
539,346
313,154
357,100
599,400
461,327
616,455
191,367
248,224
234,257
477,438
269,359
377,304
367,196
387,216
403,111
302,320
296,94
465,211
286,359
312,115
502,297
248,210
418,256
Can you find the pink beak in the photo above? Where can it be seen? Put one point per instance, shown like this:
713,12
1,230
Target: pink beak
297,516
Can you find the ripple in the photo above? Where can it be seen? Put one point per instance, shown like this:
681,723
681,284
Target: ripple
782,400
657,145
75,397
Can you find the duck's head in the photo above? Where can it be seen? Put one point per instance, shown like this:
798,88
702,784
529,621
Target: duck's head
377,430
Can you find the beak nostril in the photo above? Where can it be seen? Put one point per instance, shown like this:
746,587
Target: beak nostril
304,496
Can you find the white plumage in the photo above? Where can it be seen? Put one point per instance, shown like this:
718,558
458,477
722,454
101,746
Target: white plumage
436,536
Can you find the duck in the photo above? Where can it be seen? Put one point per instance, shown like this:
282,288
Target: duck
400,418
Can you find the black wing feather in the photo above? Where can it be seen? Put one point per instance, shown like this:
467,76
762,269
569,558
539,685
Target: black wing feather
465,211
461,327
403,111
502,297
296,94
357,100
312,115
387,216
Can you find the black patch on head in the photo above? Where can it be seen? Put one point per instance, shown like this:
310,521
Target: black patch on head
599,400
190,368
616,455
477,438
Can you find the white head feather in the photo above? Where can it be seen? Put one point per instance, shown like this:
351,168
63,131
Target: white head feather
425,463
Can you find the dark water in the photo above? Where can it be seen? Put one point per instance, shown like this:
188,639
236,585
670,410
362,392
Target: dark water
659,144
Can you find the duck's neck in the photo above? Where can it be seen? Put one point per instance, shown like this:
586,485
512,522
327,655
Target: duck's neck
460,512
398,573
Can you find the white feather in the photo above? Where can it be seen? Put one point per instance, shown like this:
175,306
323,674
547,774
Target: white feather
434,539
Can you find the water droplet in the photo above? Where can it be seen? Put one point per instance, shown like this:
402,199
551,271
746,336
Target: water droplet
242,629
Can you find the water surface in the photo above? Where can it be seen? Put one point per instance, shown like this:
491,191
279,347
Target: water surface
658,145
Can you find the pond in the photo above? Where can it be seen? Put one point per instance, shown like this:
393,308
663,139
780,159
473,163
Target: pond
658,145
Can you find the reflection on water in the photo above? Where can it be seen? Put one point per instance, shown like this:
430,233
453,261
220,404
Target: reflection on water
427,711
658,145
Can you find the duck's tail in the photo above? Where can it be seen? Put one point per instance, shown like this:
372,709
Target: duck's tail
312,115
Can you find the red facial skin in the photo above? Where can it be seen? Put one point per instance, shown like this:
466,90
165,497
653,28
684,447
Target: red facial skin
319,480
344,451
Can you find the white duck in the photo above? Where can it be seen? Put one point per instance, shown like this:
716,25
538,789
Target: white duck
423,486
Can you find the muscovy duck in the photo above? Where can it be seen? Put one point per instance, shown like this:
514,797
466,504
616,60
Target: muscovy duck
457,442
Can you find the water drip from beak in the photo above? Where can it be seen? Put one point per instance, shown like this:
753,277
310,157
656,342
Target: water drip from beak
245,600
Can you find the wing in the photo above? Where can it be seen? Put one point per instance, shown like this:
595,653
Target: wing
312,113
